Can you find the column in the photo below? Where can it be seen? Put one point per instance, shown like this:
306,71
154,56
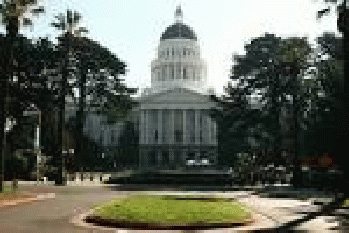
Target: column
185,133
180,71
172,127
146,127
197,126
214,132
194,72
160,126
142,131
210,142
168,72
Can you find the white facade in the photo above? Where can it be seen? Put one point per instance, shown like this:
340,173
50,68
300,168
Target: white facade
179,65
174,122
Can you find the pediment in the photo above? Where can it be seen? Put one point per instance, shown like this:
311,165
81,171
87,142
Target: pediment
177,95
177,99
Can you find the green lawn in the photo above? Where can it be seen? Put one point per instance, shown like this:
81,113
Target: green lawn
164,209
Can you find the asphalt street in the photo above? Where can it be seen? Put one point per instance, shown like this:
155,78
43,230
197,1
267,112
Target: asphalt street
53,215
56,215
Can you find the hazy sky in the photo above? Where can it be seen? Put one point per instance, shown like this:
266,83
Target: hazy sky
132,28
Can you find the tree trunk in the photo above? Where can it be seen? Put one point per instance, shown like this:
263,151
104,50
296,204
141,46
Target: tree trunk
12,29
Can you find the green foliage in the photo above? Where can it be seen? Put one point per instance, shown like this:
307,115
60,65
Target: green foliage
10,9
271,70
69,22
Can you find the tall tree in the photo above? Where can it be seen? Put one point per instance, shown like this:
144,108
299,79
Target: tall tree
264,83
97,72
12,13
341,115
70,29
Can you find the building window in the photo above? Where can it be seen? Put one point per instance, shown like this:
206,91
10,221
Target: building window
213,133
153,124
112,137
163,69
178,126
178,72
191,125
165,158
201,128
173,52
101,139
178,136
178,158
184,52
184,73
172,72
166,120
152,160
168,52
156,135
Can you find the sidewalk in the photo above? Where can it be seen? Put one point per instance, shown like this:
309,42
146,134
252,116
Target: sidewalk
26,198
279,211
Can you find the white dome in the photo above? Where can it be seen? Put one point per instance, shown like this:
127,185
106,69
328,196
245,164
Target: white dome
178,63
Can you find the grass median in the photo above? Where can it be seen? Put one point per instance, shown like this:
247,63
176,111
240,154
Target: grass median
168,209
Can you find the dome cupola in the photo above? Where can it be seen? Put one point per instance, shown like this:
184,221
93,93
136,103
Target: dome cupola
178,30
178,63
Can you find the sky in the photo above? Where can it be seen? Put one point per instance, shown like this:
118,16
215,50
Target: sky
132,28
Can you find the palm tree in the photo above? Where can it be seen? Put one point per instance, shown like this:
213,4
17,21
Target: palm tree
12,14
68,24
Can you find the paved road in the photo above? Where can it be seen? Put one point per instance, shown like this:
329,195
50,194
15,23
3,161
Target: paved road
53,215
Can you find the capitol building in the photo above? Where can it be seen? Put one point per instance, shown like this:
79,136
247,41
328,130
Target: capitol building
171,125
175,129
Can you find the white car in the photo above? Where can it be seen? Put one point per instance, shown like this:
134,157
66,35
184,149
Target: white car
203,162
